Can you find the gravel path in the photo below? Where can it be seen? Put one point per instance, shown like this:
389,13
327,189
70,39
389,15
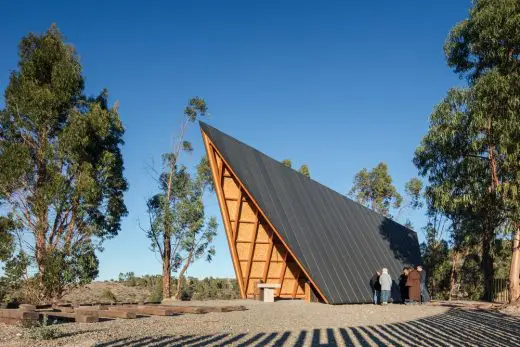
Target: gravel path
290,323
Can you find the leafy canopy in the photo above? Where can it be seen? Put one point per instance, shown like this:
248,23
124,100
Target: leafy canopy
61,167
374,189
304,170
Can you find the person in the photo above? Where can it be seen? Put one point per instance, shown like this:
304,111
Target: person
425,296
413,285
402,284
376,286
386,285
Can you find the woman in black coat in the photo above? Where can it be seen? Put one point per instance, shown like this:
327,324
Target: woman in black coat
376,287
402,284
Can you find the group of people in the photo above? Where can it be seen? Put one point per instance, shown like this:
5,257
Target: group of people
412,286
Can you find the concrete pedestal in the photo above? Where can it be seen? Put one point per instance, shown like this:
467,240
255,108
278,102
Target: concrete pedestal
267,291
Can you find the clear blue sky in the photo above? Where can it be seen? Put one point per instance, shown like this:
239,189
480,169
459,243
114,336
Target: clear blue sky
339,85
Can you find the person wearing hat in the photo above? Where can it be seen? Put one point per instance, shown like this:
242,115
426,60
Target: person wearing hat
425,296
386,285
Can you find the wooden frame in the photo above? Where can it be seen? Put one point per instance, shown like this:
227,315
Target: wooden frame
257,250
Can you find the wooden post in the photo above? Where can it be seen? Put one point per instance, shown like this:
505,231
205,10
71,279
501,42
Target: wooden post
307,292
217,179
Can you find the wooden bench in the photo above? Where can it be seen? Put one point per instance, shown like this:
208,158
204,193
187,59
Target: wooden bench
267,291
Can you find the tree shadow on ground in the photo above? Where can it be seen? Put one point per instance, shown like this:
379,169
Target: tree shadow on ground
457,327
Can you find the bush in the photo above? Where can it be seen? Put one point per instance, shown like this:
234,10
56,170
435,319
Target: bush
472,278
43,331
156,293
215,289
109,296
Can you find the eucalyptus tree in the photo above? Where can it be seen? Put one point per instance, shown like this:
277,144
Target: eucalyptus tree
375,189
453,158
413,199
61,167
174,185
190,234
195,233
485,48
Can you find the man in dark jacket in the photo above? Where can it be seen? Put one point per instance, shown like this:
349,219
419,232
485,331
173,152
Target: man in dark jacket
425,296
402,284
376,286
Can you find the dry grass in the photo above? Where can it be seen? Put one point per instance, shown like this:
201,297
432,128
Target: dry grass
96,292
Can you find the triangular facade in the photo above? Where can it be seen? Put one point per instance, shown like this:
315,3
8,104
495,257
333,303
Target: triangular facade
285,228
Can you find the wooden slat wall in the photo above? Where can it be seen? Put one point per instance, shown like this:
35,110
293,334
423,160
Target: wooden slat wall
257,253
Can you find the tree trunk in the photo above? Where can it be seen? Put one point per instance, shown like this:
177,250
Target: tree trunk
454,262
166,275
179,280
514,271
487,264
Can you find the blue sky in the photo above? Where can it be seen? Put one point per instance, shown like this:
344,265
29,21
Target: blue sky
339,85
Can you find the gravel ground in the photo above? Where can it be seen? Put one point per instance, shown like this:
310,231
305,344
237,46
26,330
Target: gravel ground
290,323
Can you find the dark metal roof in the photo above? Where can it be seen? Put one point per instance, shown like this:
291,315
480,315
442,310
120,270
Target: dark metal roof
339,242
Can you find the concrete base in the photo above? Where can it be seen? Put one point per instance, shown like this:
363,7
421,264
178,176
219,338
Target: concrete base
268,295
267,291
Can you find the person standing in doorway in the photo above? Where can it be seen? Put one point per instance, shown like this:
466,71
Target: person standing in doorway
425,296
386,285
376,287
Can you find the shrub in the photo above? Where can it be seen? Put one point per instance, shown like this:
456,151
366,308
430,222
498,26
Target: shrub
156,293
42,331
108,295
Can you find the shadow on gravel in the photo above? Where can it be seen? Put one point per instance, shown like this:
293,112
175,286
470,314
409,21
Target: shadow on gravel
456,327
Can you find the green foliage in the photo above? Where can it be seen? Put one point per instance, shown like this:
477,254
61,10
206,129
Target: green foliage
192,288
287,163
175,187
485,48
470,154
62,269
472,277
304,170
15,279
191,235
42,331
7,227
374,189
214,289
178,228
61,167
502,251
436,258
156,294
489,38
196,108
128,279
413,190
204,174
